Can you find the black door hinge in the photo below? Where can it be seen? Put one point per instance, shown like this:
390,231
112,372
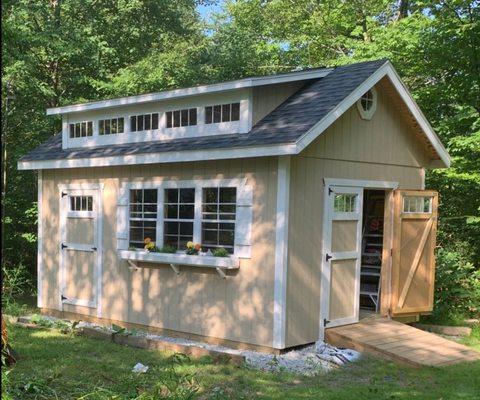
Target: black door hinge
94,248
330,191
325,322
64,194
64,246
327,257
63,297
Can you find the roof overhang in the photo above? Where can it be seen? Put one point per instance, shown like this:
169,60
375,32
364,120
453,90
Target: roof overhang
193,91
267,150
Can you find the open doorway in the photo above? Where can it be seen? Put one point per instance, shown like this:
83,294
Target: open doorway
372,248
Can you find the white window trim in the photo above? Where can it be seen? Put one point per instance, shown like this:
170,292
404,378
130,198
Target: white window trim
368,114
243,220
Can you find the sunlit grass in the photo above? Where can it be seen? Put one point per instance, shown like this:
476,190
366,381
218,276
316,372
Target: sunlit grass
72,366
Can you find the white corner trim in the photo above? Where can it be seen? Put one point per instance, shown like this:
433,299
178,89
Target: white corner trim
99,277
386,70
197,90
281,253
40,241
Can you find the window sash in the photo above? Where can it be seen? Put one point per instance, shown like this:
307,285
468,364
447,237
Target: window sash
226,222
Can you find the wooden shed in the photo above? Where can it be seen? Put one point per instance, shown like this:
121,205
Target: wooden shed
253,213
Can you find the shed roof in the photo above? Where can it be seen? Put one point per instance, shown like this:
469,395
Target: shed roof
286,130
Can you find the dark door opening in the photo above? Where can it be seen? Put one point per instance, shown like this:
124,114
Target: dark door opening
372,247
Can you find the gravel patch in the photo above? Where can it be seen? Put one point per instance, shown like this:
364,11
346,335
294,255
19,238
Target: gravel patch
310,360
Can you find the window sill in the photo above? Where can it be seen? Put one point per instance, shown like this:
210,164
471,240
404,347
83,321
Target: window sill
174,260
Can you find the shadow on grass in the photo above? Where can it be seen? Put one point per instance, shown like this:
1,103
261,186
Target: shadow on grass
72,366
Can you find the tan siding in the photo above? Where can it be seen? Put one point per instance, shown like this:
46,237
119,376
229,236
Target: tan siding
198,301
384,149
267,98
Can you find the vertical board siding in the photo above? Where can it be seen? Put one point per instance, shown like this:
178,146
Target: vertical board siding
198,301
383,148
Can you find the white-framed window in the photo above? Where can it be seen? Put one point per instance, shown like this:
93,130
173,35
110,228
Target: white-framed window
177,118
111,126
81,129
222,113
81,203
178,216
417,204
214,213
367,104
345,202
218,217
143,122
142,216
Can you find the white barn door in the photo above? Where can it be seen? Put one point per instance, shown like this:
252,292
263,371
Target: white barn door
340,282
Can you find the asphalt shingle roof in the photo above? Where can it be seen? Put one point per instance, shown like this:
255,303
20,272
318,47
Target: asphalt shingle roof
284,125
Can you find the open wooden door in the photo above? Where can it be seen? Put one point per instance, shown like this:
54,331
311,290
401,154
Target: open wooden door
413,259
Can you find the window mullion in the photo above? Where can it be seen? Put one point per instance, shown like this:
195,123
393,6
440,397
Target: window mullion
197,223
160,211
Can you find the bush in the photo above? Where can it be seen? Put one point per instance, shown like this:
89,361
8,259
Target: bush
16,281
167,249
457,288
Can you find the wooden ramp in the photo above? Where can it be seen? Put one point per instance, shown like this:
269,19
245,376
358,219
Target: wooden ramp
399,342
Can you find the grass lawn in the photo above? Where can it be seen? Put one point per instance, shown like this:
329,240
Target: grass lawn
53,365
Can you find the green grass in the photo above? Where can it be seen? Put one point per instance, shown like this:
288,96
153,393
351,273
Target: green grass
53,365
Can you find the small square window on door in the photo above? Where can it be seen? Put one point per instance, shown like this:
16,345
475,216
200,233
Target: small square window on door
81,203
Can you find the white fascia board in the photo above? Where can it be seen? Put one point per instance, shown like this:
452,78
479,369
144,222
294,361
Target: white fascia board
197,90
385,70
166,157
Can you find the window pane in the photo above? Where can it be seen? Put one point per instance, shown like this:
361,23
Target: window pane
101,127
72,203
150,196
210,195
72,130
171,195
184,117
107,127
77,129
90,203
176,119
186,211
235,111
140,123
217,114
171,228
120,125
344,203
208,115
228,195
168,117
84,129
133,124
193,116
171,211
135,196
187,195
78,203
186,228
155,121
113,126
226,113
90,128
417,204
147,122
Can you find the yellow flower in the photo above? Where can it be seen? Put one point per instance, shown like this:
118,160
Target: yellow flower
190,245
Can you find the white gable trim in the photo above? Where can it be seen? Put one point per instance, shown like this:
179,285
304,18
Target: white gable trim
385,70
197,90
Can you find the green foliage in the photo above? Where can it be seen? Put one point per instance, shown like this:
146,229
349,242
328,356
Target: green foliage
15,281
221,252
457,289
168,249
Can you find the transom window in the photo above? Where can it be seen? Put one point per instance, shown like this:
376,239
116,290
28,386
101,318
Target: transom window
417,204
179,215
81,129
367,104
218,218
110,126
186,117
345,203
81,203
143,216
145,122
222,113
